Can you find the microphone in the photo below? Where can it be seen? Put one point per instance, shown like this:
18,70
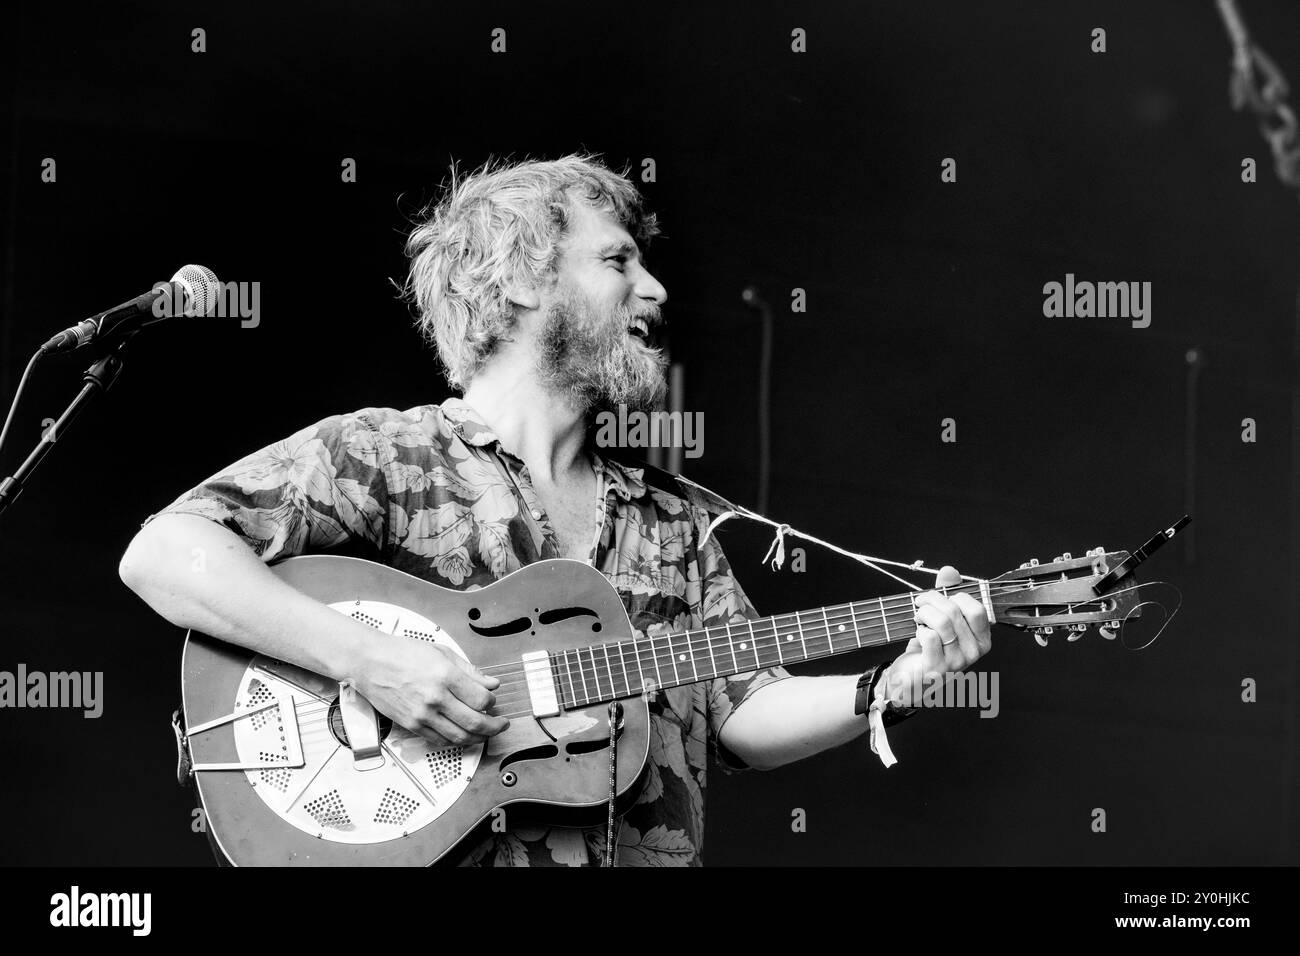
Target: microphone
195,288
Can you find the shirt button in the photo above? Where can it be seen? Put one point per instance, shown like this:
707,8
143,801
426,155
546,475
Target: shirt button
537,515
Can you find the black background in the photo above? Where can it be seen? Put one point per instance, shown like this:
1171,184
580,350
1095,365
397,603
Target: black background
818,171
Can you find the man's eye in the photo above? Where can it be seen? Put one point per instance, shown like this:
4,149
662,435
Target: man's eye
620,261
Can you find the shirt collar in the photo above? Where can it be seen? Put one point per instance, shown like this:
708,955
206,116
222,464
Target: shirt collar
625,481
467,424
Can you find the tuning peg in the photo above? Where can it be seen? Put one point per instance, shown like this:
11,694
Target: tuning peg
1067,556
1025,565
1056,560
1038,636
1076,631
1033,562
1106,632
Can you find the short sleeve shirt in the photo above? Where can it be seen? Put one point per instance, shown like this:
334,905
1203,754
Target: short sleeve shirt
430,491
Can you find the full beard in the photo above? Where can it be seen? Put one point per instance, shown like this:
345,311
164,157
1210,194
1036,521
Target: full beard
595,364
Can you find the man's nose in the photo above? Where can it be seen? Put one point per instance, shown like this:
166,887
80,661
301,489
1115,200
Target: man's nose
648,287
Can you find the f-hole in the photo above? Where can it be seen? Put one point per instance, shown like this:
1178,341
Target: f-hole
579,747
544,752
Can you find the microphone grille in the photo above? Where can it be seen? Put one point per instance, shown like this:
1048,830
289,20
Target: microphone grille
201,288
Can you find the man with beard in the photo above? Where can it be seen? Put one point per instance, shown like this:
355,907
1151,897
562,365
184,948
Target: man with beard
529,279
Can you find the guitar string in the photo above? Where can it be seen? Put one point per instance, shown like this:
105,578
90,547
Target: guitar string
604,671
891,604
768,629
516,690
833,625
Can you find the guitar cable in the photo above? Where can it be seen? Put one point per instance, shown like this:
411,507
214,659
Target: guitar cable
611,844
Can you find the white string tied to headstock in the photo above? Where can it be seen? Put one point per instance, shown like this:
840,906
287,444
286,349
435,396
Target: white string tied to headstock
775,556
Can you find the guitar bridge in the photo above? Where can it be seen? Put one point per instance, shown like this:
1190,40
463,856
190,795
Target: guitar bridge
541,684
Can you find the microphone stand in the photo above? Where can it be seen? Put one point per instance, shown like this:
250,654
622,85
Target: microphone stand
752,298
98,379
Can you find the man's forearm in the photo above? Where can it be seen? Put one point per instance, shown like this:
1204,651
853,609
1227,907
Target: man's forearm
199,575
792,719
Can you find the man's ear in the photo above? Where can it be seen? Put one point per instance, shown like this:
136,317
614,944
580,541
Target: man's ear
523,296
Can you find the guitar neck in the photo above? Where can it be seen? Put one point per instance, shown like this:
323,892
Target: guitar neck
599,673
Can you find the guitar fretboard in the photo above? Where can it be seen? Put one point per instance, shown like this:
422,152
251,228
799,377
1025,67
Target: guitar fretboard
604,672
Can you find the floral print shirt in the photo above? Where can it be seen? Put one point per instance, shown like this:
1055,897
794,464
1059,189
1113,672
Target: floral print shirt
430,491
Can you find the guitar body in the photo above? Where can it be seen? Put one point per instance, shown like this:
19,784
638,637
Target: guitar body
277,802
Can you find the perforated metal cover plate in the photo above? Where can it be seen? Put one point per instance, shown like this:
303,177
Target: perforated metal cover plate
328,797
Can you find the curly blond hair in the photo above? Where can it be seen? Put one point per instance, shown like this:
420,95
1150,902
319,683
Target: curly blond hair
500,225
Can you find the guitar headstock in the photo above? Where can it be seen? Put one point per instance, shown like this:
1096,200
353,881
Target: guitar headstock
1063,595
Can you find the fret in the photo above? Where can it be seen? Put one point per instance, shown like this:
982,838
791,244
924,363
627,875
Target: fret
604,649
753,646
658,679
627,684
622,664
573,696
582,674
586,689
815,652
690,649
731,642
573,693
857,635
672,658
708,636
618,656
754,635
674,654
830,638
799,624
679,653
776,636
884,617
595,673
812,651
640,673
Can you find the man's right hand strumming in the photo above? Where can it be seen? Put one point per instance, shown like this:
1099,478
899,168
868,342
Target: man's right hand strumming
429,691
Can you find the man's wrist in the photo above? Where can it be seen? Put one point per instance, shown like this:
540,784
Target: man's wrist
892,710
881,712
864,691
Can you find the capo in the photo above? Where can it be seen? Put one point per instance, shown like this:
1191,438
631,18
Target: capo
1127,566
